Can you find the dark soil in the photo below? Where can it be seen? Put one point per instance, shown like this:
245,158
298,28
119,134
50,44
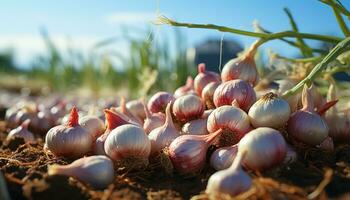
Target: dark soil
316,174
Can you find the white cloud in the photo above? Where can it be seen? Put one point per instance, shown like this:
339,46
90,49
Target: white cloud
129,17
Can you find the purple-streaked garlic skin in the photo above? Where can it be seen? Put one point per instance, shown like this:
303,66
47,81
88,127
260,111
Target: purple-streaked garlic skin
306,125
229,182
208,94
188,107
93,125
127,141
327,144
222,158
22,131
269,111
136,108
195,127
242,67
188,152
264,148
159,101
69,140
96,171
161,137
187,88
238,90
231,119
203,78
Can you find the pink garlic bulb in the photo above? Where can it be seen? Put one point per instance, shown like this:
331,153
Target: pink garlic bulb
234,122
306,125
162,136
159,101
93,125
69,140
183,90
264,148
222,158
188,107
136,108
96,171
203,78
243,67
153,120
238,90
188,152
22,131
208,94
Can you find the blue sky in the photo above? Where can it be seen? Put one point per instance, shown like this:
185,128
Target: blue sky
85,22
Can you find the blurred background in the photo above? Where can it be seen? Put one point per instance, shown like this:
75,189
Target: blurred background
113,46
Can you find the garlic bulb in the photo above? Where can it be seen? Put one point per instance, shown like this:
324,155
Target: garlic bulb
234,122
188,107
243,67
188,152
153,120
196,127
269,111
222,158
22,131
136,108
128,144
69,140
159,101
124,111
113,120
203,78
96,171
93,125
208,94
238,90
229,182
161,137
264,148
187,88
306,125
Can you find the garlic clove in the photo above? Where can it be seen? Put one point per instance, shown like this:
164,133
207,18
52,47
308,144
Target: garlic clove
223,158
196,127
136,108
161,137
96,171
188,107
22,131
153,120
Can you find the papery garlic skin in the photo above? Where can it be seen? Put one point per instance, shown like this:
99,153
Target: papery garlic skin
203,78
306,125
195,127
93,125
238,90
136,108
159,101
228,182
231,119
188,152
161,137
127,141
188,107
269,111
22,131
264,148
187,88
96,171
222,158
242,67
208,94
69,140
